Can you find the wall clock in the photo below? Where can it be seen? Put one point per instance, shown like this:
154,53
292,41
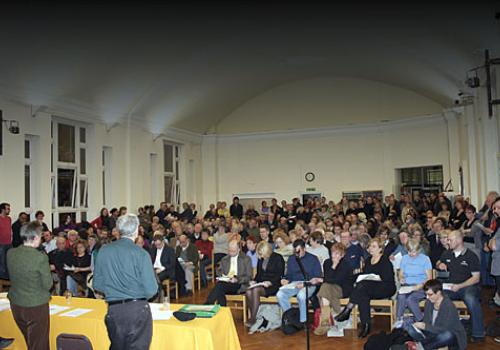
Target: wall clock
310,177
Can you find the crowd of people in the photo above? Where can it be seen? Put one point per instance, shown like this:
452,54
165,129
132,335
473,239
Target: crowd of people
364,249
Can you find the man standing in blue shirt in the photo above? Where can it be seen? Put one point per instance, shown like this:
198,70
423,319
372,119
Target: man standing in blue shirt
124,274
292,283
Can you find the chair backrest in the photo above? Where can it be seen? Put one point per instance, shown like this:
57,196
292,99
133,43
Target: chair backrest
66,341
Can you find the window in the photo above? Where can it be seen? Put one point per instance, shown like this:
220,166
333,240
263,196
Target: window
421,180
29,173
106,175
69,170
171,173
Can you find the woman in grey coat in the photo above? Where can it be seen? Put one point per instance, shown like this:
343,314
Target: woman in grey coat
441,326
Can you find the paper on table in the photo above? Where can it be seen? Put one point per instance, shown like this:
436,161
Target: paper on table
405,290
207,308
368,277
159,313
4,305
75,313
397,260
55,309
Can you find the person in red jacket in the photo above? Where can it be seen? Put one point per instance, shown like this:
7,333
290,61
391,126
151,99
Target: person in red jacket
205,247
5,238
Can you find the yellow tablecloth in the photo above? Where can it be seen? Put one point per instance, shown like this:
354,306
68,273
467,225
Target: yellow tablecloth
217,333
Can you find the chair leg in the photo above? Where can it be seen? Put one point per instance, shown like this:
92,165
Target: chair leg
168,289
244,310
193,281
176,290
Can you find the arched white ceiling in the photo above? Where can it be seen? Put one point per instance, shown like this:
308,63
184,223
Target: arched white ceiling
190,67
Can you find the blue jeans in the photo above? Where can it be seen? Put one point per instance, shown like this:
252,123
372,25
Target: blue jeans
410,301
284,296
72,285
486,278
470,296
203,274
433,340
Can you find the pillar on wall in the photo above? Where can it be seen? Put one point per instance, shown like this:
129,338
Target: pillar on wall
452,124
472,187
209,166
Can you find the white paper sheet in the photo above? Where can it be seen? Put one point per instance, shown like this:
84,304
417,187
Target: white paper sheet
55,309
405,290
159,313
368,277
75,313
4,305
397,261
335,331
447,286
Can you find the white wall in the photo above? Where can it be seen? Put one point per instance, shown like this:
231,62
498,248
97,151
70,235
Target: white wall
325,102
343,159
130,167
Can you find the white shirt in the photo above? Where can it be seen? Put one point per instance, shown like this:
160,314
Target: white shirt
50,246
233,268
157,264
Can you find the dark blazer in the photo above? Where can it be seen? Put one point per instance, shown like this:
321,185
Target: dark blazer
192,254
167,260
273,273
447,320
245,270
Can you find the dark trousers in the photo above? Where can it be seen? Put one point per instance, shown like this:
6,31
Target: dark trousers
218,257
365,291
434,340
34,323
130,325
4,273
497,282
218,294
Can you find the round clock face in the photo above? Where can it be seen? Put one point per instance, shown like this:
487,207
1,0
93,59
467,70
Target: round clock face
310,177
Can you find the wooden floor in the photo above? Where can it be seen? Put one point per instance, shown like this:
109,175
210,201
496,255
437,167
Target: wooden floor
277,340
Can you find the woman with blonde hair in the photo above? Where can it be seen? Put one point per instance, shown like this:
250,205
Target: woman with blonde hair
270,269
282,245
368,289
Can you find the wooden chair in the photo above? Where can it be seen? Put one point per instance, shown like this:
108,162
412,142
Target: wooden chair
167,287
238,302
388,309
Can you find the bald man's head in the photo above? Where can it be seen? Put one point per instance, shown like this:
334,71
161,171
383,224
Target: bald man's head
234,248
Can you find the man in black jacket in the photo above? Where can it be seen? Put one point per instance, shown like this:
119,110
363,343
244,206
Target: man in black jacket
236,209
16,228
163,257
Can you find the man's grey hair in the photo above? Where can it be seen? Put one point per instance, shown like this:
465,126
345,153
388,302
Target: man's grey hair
127,225
30,231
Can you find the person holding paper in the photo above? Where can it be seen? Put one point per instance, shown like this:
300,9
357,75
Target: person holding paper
463,282
415,270
270,269
292,284
441,326
337,284
188,256
367,290
234,272
124,274
29,292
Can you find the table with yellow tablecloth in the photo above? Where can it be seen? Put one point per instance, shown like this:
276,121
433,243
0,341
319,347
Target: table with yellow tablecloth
216,333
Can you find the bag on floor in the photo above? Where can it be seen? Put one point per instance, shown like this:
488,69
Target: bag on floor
290,321
268,319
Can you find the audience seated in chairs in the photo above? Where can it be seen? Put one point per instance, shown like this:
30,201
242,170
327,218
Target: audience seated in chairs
441,326
57,259
292,284
336,284
235,273
270,269
188,256
366,290
205,247
464,276
414,271
163,257
81,261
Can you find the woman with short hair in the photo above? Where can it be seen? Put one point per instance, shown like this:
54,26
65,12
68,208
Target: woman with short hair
270,270
336,284
415,270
